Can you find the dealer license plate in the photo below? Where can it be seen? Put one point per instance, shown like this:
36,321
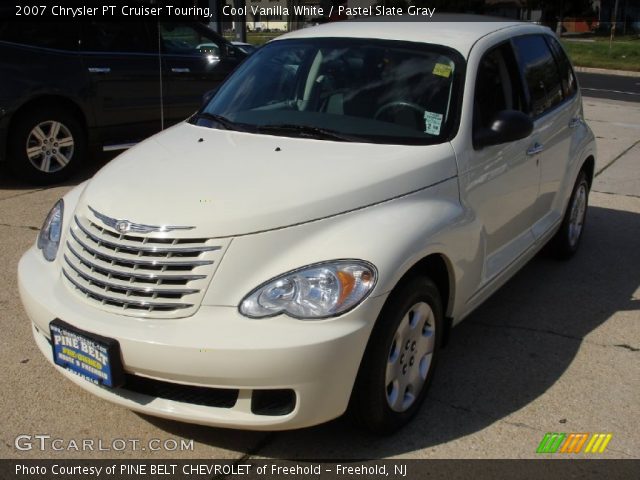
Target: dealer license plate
93,357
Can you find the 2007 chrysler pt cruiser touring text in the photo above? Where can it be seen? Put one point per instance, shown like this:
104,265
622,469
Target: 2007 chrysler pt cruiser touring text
300,246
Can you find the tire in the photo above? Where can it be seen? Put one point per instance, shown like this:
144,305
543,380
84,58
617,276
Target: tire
566,241
46,145
400,352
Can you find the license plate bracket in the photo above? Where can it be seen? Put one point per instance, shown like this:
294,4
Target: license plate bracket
93,357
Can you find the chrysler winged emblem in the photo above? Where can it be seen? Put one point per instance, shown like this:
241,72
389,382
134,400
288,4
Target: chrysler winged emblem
122,226
126,226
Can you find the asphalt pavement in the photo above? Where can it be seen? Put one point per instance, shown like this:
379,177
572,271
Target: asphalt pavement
557,349
612,87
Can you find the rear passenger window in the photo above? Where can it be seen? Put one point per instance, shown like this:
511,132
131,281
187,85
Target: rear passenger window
113,37
58,35
569,86
540,72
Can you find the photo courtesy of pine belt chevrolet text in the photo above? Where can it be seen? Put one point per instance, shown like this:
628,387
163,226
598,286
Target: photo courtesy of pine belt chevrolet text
301,246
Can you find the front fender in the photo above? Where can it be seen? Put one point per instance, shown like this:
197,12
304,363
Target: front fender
583,146
393,235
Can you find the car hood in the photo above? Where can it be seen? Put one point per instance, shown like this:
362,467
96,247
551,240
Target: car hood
228,183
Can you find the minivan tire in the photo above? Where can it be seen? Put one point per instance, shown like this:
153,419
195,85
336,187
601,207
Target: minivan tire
46,145
392,348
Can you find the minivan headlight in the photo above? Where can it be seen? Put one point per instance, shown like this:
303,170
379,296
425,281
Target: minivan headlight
317,291
49,236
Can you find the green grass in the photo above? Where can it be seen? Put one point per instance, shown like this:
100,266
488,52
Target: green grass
255,38
624,55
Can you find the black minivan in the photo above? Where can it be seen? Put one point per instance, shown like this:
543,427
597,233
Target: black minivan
67,88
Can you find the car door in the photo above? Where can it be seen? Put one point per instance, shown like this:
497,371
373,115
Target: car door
554,108
124,67
196,60
501,184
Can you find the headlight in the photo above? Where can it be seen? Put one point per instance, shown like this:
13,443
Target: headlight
49,237
316,291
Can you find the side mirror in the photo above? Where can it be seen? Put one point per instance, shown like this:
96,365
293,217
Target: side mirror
506,126
209,95
236,53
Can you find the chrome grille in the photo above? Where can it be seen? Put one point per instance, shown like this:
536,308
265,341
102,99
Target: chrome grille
148,275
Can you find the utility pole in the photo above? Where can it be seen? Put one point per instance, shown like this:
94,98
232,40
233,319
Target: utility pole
216,20
559,24
613,25
240,21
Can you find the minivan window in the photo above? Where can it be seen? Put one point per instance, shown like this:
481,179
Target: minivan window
186,40
124,37
540,72
569,84
59,35
375,91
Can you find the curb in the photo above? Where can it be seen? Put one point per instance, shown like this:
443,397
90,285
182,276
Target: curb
604,71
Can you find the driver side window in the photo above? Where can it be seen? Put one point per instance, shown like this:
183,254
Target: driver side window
497,86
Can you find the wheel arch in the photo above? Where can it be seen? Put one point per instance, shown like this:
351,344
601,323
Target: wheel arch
49,100
588,167
438,267
435,266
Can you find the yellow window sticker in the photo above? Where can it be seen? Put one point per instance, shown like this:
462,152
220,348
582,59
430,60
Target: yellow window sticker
442,69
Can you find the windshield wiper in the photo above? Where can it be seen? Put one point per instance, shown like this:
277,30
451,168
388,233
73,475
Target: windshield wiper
224,121
307,131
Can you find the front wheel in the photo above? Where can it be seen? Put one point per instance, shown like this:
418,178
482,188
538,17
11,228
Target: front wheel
400,359
566,241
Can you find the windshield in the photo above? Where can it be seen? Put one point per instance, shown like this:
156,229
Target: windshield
362,90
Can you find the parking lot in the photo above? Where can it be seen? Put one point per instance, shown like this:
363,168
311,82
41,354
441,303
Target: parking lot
555,350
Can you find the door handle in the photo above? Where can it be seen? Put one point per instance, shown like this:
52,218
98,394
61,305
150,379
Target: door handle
535,149
574,122
99,70
180,70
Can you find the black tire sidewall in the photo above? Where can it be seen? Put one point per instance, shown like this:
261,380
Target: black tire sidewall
18,161
369,403
563,247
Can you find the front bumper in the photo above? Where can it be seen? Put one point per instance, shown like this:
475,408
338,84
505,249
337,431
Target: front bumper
216,348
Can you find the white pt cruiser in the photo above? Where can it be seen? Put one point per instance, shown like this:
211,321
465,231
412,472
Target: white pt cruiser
301,246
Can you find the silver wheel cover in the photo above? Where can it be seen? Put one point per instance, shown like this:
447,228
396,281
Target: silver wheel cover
50,146
409,358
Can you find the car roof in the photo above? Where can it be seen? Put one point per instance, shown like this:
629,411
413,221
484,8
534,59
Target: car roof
457,31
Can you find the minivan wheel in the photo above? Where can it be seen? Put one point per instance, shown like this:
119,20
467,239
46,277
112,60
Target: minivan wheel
567,240
400,358
46,146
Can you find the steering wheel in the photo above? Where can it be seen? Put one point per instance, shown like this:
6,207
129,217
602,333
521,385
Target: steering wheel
398,103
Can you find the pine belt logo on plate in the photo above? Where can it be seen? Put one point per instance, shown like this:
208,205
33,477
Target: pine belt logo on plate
573,442
87,358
